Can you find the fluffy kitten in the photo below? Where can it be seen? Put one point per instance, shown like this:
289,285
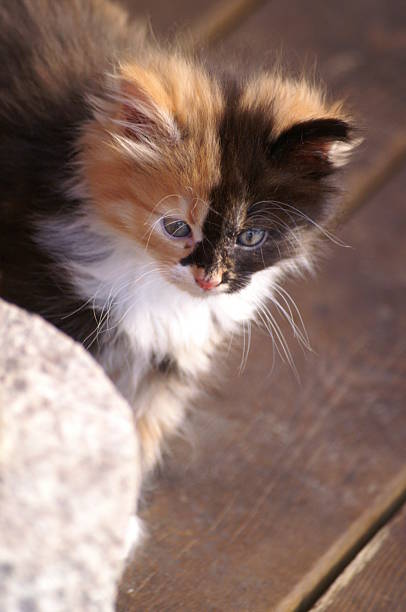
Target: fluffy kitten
147,204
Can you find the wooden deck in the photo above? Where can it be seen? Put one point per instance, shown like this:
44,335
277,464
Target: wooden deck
291,497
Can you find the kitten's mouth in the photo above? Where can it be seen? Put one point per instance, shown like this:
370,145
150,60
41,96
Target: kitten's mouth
203,292
208,282
196,282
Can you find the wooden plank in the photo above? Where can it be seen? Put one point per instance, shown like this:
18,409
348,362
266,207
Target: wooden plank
221,19
166,18
376,579
194,23
352,541
282,470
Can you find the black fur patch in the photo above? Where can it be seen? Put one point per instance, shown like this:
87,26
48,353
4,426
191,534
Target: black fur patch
306,144
40,114
276,186
166,365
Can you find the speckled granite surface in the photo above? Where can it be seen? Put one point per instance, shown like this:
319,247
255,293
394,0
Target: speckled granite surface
68,476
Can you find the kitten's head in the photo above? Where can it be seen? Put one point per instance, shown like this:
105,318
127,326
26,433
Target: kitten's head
216,179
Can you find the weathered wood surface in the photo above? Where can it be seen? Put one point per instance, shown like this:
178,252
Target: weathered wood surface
285,478
376,579
166,18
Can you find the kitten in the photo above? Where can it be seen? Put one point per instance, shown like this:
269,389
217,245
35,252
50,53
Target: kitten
148,205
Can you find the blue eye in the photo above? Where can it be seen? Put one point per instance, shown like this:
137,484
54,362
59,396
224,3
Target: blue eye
251,238
176,227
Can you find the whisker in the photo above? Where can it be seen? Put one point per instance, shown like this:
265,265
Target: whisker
295,329
151,229
111,301
288,207
243,348
325,232
287,313
79,309
287,355
246,347
134,303
209,206
270,333
287,295
170,195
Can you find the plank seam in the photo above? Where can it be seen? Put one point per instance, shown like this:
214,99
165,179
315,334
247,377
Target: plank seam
319,579
353,569
218,22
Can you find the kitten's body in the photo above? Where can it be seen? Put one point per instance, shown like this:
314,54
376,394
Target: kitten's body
92,167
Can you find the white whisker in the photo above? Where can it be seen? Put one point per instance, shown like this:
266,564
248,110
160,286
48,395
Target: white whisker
289,298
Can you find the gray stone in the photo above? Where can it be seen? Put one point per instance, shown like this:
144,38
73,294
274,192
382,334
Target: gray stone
68,472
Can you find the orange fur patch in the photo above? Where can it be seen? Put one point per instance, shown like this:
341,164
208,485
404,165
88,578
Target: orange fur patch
131,193
288,101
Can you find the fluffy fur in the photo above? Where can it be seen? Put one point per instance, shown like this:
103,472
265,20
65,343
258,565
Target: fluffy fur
104,140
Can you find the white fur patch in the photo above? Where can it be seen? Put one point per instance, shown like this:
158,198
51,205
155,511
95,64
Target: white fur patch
125,284
340,152
134,536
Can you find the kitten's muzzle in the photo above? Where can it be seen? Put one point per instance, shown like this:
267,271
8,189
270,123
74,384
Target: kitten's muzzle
207,281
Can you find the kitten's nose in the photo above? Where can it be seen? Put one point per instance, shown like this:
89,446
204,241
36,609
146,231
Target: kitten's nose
207,281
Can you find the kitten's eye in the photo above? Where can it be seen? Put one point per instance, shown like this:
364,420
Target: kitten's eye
251,238
176,228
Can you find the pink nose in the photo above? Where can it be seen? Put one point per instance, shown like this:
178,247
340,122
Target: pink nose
207,282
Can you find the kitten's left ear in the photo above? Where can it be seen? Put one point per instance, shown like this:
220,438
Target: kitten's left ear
142,113
315,146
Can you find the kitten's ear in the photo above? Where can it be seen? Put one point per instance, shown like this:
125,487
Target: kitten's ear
142,112
315,146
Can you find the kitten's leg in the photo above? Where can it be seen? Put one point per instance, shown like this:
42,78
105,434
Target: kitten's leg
160,410
159,399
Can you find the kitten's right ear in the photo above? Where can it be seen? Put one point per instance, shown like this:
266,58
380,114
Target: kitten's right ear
317,146
142,113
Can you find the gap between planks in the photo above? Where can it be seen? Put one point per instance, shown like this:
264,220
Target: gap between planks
219,21
330,565
353,569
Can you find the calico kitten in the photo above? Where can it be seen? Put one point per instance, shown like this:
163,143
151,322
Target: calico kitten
147,204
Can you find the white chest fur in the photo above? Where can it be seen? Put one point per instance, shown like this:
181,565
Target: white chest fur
135,301
161,320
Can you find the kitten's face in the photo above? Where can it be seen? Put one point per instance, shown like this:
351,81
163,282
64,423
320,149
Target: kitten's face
216,181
